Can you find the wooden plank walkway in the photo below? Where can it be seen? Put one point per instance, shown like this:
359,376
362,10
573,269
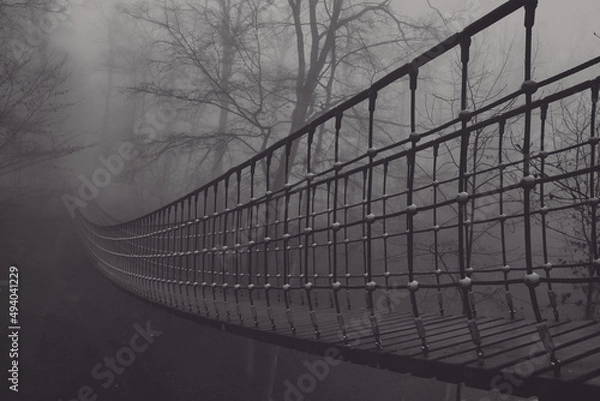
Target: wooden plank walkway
515,361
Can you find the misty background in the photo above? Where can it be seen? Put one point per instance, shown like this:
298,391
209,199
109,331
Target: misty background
114,74
170,94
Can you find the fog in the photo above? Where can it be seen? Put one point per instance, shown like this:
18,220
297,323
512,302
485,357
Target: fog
149,100
564,37
99,119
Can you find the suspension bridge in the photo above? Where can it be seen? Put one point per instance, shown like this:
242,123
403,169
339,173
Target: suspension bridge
373,253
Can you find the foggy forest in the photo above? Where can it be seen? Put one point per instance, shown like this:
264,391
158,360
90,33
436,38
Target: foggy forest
267,121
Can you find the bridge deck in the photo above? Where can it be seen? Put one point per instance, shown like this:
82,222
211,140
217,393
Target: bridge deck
514,361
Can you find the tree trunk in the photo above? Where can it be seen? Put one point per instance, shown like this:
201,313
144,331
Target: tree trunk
298,121
109,85
226,72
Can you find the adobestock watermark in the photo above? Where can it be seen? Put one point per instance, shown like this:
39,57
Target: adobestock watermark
509,379
316,372
146,129
105,372
89,188
360,327
354,331
504,383
154,121
157,119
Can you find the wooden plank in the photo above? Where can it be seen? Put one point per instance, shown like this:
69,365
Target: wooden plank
391,323
427,367
491,338
579,365
449,367
500,357
409,332
401,326
457,331
405,324
509,344
529,358
439,323
456,345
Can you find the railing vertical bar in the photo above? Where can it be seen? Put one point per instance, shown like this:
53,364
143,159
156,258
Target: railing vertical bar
371,285
286,243
336,285
196,251
505,266
188,253
214,250
528,183
386,267
411,210
204,250
594,195
181,253
329,243
313,247
346,244
161,256
301,235
251,243
543,210
436,229
267,239
308,233
172,211
225,248
463,198
237,248
277,251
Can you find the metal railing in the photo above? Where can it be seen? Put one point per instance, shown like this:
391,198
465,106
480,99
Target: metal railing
401,215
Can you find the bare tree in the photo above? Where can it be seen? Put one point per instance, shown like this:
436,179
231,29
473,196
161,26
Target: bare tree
214,46
250,87
33,92
334,33
571,127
